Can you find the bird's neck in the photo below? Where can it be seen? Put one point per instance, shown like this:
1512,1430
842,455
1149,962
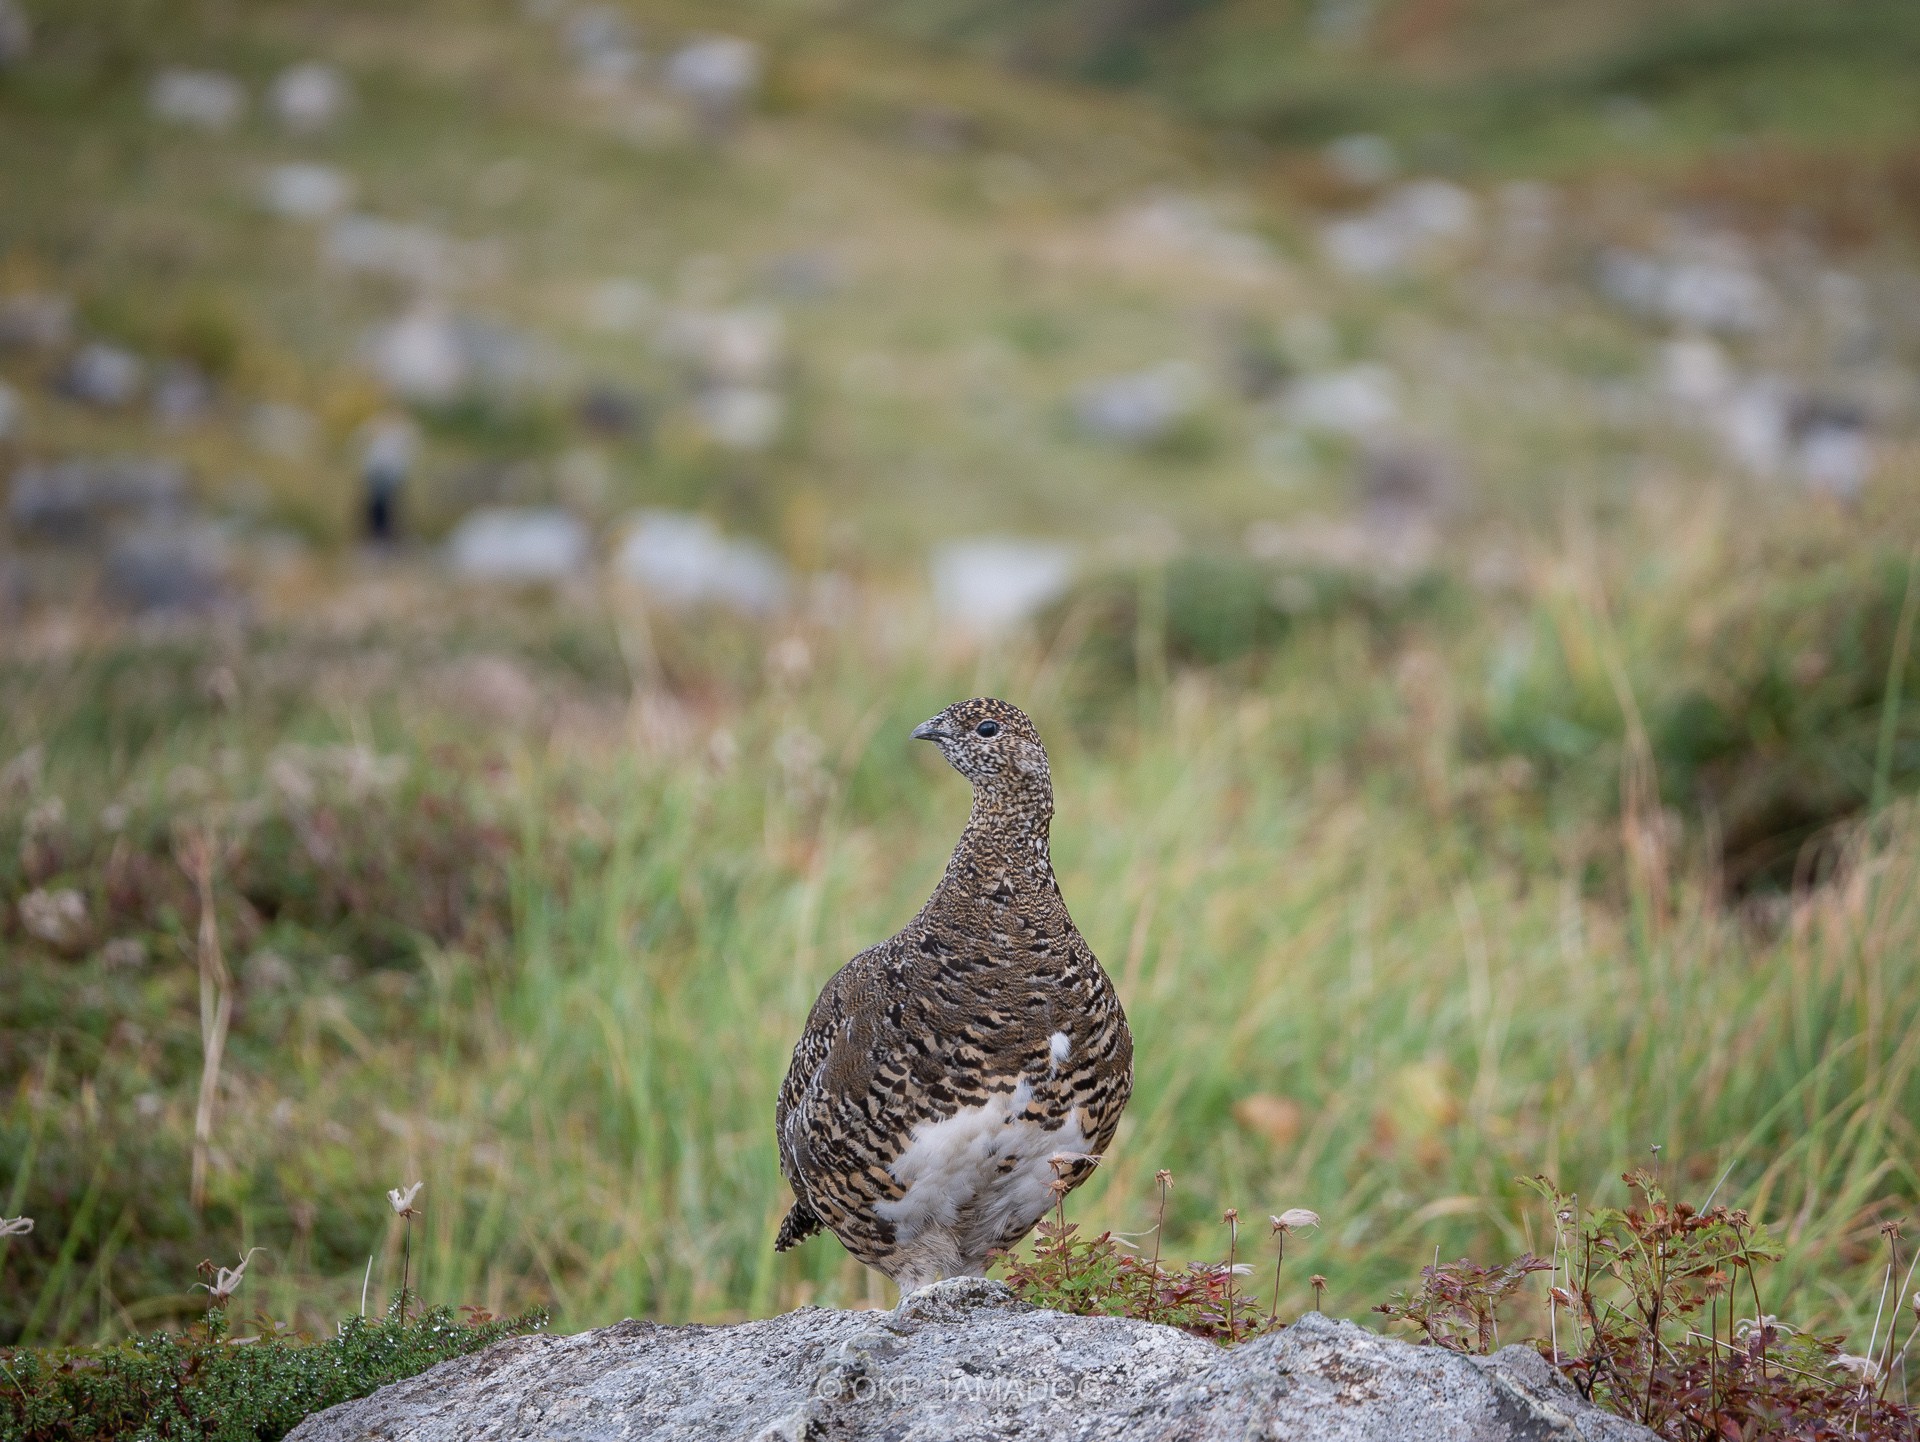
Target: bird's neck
1002,860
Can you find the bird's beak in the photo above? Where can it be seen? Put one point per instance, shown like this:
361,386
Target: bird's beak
933,730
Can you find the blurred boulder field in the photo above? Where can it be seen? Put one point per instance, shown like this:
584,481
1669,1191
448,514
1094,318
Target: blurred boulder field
76,500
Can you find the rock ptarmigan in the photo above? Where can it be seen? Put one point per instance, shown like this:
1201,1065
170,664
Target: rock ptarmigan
949,1074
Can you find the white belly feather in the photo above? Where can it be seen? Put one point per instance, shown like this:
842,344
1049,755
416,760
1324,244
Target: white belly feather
961,1198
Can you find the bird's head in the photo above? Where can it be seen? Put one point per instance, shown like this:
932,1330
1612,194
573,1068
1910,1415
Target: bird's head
993,745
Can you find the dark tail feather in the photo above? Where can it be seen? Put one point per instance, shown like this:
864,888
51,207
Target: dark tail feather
800,1224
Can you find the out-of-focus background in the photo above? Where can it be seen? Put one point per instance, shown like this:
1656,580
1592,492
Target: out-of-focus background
489,486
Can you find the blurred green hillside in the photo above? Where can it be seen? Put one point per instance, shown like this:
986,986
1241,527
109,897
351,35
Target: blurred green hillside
1485,84
1443,477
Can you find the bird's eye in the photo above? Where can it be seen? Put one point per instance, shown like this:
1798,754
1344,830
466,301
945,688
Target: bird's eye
987,729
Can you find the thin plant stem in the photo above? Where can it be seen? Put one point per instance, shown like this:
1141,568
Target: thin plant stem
1713,1359
1279,1256
1163,1182
1233,1242
196,857
1886,1370
1873,1337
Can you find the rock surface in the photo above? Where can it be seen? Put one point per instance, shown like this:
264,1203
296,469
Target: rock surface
964,1360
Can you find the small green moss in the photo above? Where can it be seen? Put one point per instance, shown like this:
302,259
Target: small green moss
204,1383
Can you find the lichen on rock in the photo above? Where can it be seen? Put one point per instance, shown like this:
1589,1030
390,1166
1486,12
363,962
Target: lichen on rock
964,1360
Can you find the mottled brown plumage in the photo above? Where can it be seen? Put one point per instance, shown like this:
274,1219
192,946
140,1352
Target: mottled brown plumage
941,1071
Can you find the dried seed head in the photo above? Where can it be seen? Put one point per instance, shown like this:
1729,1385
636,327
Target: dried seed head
1891,1229
1861,1367
226,1280
1317,1282
402,1201
1059,1186
1295,1218
1163,1178
1231,1216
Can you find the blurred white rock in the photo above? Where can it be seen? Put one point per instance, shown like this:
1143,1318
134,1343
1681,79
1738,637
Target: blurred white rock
370,245
36,320
604,47
1358,401
16,34
683,561
1695,373
1833,450
169,565
103,375
1717,297
289,432
71,500
1776,434
987,584
1362,159
1765,424
1755,423
1140,408
303,190
418,357
429,354
12,412
1166,226
1413,225
182,395
1710,286
716,75
203,99
620,306
502,360
58,917
519,545
310,97
741,418
741,346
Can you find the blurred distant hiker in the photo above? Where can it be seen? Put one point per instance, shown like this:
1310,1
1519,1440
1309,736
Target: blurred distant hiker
392,441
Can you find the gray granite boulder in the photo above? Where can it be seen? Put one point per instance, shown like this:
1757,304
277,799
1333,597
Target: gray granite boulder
962,1360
